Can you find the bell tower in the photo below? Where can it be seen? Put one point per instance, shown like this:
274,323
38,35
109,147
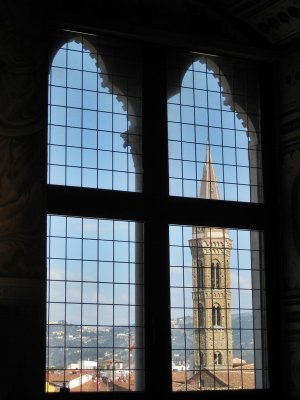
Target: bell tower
211,248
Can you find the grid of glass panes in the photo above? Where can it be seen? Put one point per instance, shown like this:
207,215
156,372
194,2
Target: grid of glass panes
215,101
218,324
94,123
94,304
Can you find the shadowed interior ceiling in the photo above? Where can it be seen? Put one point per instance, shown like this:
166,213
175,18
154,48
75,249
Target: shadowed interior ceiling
277,21
270,23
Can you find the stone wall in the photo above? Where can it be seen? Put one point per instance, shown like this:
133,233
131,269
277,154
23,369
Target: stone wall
289,85
22,184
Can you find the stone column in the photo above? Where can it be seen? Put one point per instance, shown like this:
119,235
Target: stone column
23,83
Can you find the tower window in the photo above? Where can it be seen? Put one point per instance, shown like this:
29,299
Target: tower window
215,275
201,276
216,315
218,358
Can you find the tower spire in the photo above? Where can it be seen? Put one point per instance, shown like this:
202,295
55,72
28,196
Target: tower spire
210,249
209,186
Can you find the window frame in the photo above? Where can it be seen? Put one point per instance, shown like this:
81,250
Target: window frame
157,210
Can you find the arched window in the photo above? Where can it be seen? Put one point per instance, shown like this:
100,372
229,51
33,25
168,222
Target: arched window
208,104
215,275
216,315
218,358
95,155
94,150
94,129
201,276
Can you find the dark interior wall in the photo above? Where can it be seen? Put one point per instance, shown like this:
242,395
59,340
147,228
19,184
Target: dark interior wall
24,39
23,83
289,125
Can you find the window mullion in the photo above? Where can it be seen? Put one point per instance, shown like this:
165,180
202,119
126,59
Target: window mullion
270,166
157,298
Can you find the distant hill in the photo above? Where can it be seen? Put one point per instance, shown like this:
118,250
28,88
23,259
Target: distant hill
242,333
85,338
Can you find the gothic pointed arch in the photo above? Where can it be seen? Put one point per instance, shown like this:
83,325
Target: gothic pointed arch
236,99
112,79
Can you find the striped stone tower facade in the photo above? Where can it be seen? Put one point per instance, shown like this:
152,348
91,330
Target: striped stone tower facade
211,248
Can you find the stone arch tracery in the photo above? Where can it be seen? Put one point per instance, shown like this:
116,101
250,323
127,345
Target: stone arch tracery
104,64
238,106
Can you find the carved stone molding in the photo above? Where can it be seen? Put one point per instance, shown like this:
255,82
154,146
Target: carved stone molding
21,207
292,311
289,90
290,220
277,21
289,82
22,138
21,73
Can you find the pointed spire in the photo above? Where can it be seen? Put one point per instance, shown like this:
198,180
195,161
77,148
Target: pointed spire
209,186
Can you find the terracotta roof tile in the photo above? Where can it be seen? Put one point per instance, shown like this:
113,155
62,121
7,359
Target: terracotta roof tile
242,377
